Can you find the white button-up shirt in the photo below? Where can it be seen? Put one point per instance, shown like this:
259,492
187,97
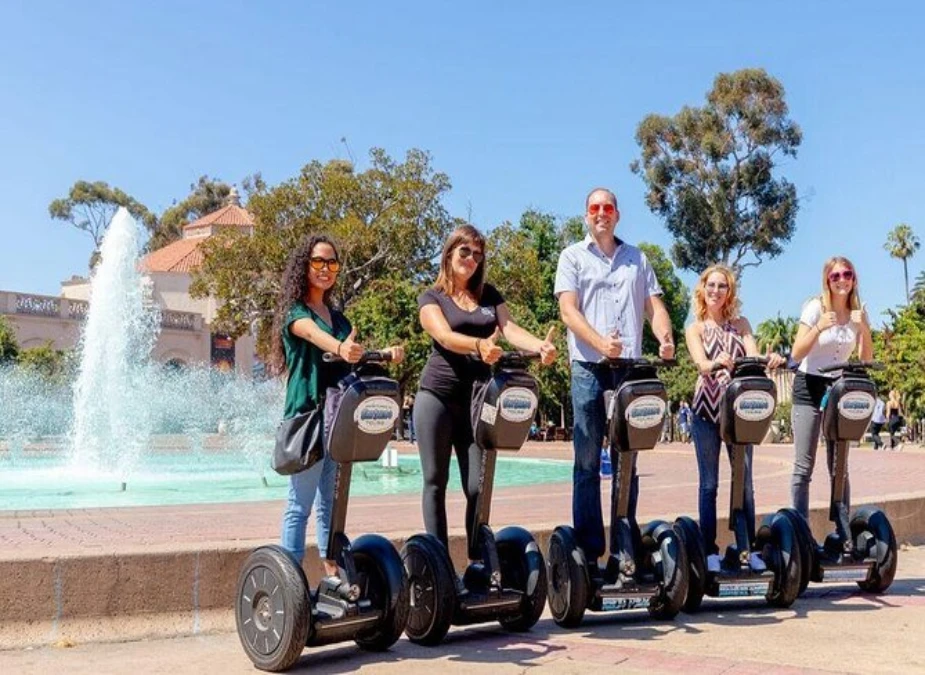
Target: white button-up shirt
611,293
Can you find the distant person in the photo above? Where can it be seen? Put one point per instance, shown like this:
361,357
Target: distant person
718,336
684,422
306,326
832,326
876,423
407,409
894,415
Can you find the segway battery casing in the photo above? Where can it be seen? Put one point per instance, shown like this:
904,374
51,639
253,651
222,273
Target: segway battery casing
503,410
363,413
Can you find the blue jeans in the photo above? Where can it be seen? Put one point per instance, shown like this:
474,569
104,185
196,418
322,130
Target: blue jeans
315,485
589,382
707,446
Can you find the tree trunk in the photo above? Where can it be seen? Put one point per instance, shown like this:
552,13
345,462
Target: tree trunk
906,276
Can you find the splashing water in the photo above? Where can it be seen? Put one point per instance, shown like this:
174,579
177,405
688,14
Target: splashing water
111,415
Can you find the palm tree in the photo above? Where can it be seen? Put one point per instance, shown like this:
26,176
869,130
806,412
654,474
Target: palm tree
901,243
777,333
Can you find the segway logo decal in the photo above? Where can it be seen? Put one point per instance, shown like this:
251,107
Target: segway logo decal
645,412
376,415
856,405
517,404
754,406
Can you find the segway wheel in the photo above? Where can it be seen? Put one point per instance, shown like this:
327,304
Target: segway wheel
806,543
432,589
874,521
777,541
272,609
383,581
567,578
522,569
692,539
665,552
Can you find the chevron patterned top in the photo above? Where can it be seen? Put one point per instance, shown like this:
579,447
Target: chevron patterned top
709,391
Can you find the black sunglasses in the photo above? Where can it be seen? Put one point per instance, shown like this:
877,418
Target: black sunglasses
465,252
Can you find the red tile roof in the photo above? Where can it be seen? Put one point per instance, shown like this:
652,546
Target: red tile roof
183,255
227,215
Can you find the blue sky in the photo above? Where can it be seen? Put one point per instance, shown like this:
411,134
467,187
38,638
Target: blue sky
521,104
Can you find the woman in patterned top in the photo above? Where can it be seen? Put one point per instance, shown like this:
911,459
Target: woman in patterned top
717,337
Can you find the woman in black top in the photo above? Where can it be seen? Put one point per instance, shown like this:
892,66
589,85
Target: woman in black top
464,316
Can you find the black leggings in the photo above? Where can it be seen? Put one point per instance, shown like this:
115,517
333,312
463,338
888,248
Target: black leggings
442,426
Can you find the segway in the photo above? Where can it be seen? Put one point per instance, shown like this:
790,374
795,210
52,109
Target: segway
277,613
508,584
649,568
862,548
771,565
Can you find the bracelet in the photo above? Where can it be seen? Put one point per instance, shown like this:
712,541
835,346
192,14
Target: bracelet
478,347
339,345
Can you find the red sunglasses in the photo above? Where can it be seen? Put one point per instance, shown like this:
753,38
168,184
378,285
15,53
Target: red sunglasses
847,275
608,209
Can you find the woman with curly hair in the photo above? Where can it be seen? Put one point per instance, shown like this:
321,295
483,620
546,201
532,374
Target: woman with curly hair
306,326
718,336
831,326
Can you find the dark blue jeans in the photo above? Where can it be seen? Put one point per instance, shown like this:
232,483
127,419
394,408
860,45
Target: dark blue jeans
707,446
589,382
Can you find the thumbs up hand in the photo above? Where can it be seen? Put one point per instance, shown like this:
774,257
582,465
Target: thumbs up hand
489,352
350,350
548,349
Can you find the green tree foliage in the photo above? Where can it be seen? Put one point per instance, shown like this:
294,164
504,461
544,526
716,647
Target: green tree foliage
901,243
387,314
9,347
522,262
388,222
90,206
778,333
917,298
675,295
680,379
53,364
709,172
206,195
900,347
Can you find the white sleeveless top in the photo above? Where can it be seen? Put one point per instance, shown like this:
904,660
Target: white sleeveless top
833,345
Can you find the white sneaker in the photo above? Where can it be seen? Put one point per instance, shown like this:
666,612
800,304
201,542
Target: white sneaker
713,563
756,563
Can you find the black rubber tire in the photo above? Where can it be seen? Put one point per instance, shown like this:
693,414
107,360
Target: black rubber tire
379,570
672,572
523,569
777,541
567,578
272,599
806,543
875,521
432,596
691,537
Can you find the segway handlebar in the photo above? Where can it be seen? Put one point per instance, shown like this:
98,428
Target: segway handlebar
859,367
741,362
636,362
515,359
368,357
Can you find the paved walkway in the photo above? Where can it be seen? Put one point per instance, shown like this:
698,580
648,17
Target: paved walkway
668,487
833,630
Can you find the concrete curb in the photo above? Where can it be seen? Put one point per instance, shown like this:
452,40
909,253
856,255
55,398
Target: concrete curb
71,599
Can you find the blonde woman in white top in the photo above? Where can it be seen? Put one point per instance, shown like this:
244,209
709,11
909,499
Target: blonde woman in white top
832,327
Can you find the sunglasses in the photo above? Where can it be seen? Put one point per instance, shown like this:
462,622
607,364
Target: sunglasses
717,287
847,275
465,252
319,264
608,209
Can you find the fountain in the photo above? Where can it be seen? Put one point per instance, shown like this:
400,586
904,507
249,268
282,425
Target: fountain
131,431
